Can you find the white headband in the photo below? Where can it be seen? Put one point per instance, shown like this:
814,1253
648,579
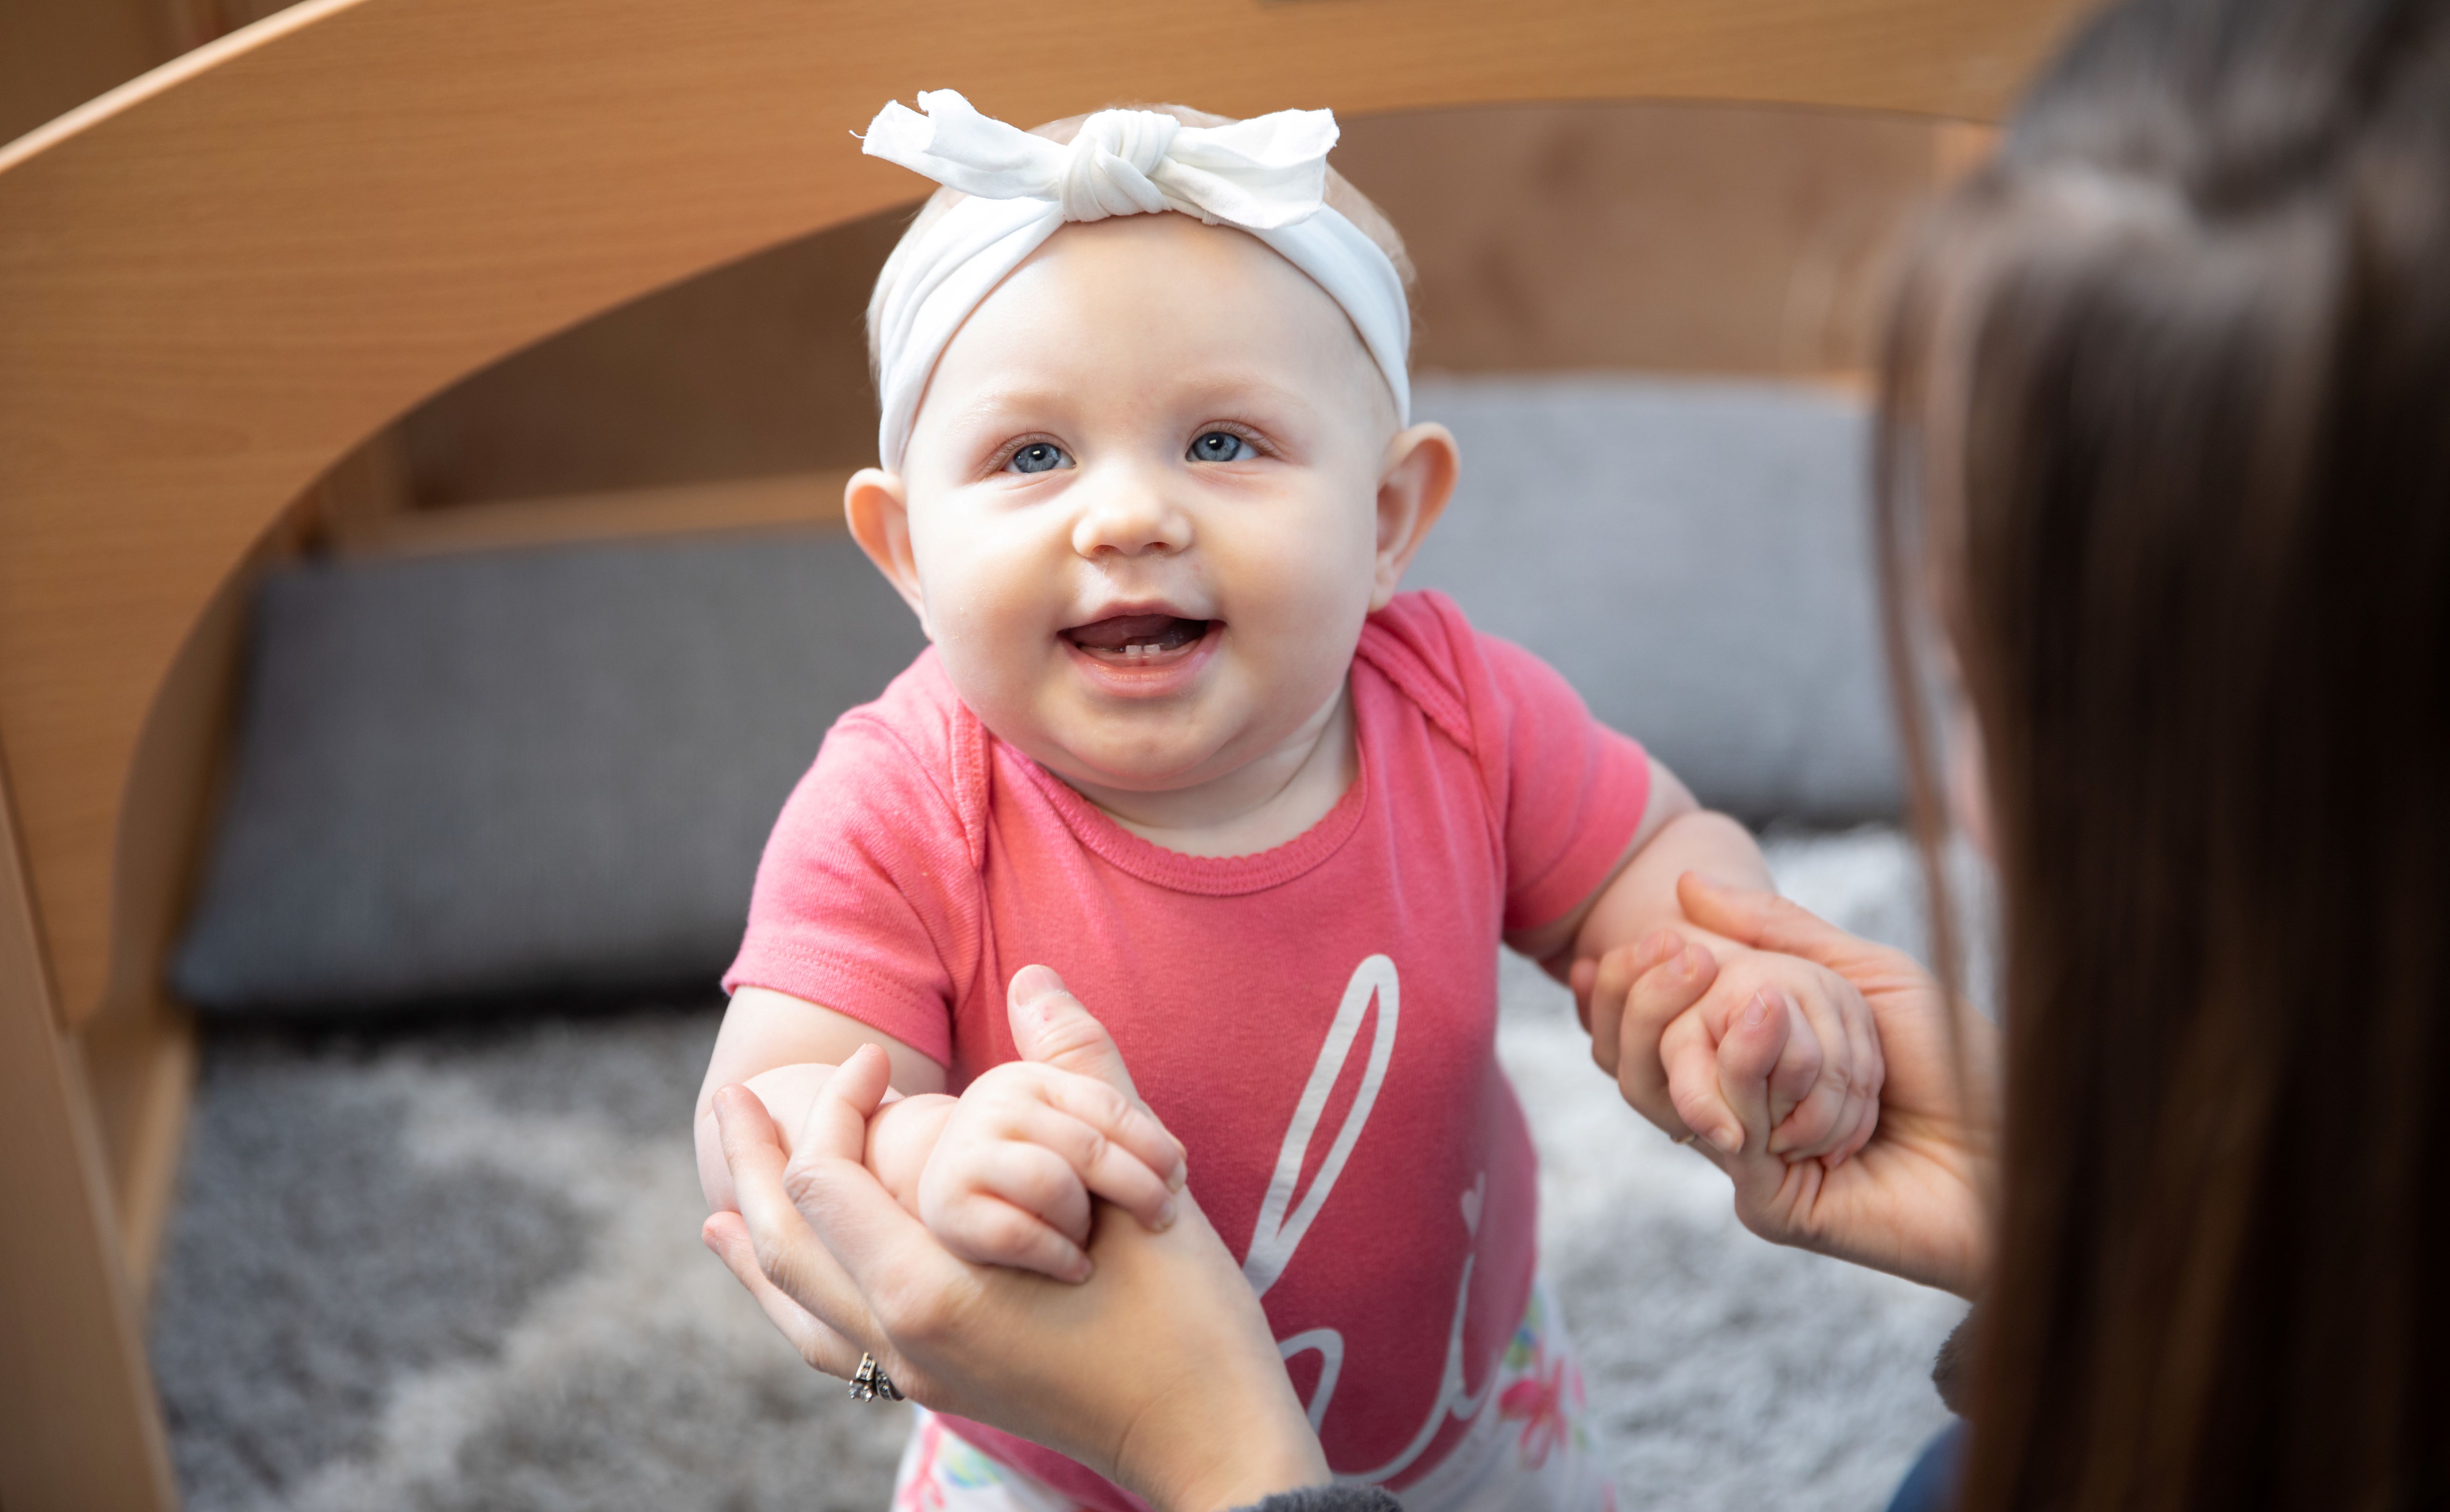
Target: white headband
1266,176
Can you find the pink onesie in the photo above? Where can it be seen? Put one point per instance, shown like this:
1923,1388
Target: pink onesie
1316,1022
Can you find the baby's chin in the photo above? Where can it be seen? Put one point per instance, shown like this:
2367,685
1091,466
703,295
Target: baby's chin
1130,768
1121,760
1171,746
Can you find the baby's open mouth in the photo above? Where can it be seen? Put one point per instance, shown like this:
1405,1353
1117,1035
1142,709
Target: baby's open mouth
1131,640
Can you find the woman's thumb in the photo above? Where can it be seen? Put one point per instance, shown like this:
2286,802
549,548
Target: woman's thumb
1764,920
1051,1027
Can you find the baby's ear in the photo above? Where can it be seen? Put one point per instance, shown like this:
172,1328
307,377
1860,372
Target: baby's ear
1413,487
876,507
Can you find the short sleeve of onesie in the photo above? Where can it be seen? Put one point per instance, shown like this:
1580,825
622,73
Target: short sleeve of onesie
1568,792
1575,792
866,898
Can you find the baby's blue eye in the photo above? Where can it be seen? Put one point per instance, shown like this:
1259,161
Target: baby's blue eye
1039,456
1221,446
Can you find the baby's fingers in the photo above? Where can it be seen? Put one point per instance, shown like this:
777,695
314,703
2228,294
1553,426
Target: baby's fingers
988,1232
1102,1165
1803,1071
1611,977
1756,1041
1810,1101
1866,1125
1013,1205
1638,994
1830,1118
1868,1071
1603,987
1700,1105
1115,1116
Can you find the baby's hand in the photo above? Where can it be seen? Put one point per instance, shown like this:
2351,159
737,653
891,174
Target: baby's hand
1831,1067
1003,1174
1024,1151
899,1137
1825,1090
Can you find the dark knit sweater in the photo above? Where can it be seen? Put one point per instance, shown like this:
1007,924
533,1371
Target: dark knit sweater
1329,1499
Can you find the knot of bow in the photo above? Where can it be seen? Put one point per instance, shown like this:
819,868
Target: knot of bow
1261,174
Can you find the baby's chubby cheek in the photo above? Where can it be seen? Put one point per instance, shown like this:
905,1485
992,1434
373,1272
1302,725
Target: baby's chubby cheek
1297,596
990,606
995,629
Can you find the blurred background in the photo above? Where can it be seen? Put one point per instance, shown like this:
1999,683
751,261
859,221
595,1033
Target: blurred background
517,688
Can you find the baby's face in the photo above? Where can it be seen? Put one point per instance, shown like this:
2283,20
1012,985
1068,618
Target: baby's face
1143,498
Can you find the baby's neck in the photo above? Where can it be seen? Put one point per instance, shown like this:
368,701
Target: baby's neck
1254,807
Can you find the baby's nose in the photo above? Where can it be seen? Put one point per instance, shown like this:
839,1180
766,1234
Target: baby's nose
1130,522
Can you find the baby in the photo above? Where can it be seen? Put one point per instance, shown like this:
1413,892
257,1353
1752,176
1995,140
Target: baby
1150,484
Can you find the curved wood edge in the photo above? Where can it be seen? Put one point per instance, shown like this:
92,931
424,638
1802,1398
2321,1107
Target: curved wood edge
153,81
77,1421
216,282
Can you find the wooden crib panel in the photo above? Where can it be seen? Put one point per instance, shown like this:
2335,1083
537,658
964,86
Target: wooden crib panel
78,1428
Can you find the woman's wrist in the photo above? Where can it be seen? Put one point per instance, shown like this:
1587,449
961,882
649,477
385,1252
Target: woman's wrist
1235,1454
1248,1479
1289,1473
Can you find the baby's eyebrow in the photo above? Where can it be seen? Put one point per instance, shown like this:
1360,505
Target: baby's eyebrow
1226,386
995,401
1221,390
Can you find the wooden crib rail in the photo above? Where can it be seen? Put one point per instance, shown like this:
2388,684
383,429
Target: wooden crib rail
219,279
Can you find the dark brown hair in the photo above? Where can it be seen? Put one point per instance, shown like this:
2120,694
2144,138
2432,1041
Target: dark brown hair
2166,445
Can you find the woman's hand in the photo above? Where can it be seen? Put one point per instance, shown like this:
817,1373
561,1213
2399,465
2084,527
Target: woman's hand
1159,1372
1913,1202
1825,1088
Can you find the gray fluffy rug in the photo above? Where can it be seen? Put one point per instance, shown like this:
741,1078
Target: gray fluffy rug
366,1305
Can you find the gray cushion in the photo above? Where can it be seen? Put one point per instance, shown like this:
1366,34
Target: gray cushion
1695,557
525,771
553,770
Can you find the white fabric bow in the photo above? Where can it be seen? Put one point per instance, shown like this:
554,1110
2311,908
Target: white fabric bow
1266,176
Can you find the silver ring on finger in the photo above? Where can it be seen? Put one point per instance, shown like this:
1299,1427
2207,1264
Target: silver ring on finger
870,1384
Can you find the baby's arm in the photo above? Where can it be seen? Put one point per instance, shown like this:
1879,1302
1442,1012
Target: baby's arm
1830,1073
781,1048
